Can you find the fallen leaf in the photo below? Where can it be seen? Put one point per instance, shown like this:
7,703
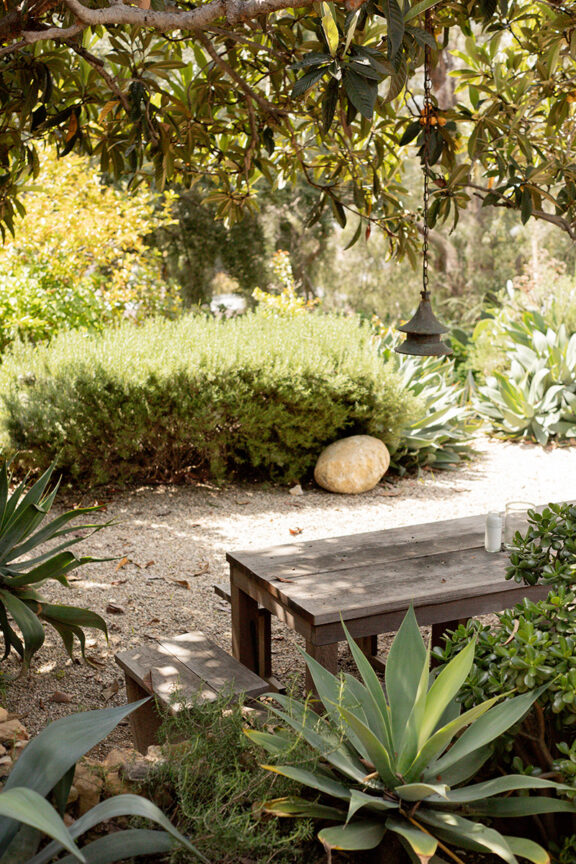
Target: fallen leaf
149,564
153,621
94,661
118,581
182,582
281,579
203,568
110,691
513,633
295,531
114,609
60,697
122,563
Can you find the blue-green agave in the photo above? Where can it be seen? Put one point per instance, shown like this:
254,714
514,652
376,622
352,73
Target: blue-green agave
401,760
46,767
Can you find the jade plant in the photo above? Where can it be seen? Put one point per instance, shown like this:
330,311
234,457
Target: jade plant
546,552
46,768
404,760
26,563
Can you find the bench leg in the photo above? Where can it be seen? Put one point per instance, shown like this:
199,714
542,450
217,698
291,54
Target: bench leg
145,722
251,633
327,656
368,645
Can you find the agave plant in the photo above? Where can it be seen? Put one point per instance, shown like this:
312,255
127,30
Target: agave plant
440,436
402,762
23,569
47,767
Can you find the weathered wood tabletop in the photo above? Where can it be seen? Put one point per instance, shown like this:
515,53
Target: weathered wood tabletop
368,581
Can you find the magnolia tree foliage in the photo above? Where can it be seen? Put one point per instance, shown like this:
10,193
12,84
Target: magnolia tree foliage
242,93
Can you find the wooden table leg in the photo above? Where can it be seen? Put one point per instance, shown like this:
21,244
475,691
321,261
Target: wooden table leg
368,645
247,631
326,655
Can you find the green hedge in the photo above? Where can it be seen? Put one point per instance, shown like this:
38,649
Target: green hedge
251,396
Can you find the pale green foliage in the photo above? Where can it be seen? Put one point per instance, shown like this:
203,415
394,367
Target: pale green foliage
398,762
253,395
47,767
440,431
533,394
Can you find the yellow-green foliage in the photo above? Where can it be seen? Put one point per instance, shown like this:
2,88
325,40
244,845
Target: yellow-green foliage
79,259
287,303
253,395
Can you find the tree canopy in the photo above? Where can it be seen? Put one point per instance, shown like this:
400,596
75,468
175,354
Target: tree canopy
233,95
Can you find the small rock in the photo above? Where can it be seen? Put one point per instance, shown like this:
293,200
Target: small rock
89,787
12,730
136,772
60,698
68,820
6,764
352,465
296,490
3,750
3,715
72,795
121,756
116,786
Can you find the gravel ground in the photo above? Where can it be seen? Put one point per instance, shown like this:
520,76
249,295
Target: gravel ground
170,544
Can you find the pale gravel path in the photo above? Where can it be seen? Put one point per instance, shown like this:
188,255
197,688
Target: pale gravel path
173,533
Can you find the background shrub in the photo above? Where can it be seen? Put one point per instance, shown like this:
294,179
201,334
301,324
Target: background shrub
251,396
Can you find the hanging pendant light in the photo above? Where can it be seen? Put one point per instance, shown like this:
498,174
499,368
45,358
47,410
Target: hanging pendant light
424,330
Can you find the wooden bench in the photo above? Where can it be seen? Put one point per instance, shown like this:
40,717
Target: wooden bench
188,666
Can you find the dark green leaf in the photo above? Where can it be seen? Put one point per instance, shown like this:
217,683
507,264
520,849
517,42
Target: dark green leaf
361,92
329,103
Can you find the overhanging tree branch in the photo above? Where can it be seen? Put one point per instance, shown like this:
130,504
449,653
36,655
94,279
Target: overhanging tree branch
197,19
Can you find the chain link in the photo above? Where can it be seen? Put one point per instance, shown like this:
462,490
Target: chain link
426,153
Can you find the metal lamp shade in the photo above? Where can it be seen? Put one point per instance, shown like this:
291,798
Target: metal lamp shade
423,333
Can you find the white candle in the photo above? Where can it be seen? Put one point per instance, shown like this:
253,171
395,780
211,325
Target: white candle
493,535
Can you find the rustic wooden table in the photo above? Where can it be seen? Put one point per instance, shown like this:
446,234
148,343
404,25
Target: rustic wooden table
368,581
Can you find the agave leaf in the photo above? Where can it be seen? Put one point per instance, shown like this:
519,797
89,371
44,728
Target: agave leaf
30,627
111,808
420,791
510,783
332,693
30,808
422,843
11,638
528,849
445,688
360,799
521,806
354,836
274,743
406,660
56,528
294,806
409,745
74,615
373,686
45,761
326,744
55,567
123,844
376,751
467,834
492,724
318,779
466,767
424,764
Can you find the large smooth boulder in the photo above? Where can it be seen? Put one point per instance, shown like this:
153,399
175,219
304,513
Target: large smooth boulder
352,465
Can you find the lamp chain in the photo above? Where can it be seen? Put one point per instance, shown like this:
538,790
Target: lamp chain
426,154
